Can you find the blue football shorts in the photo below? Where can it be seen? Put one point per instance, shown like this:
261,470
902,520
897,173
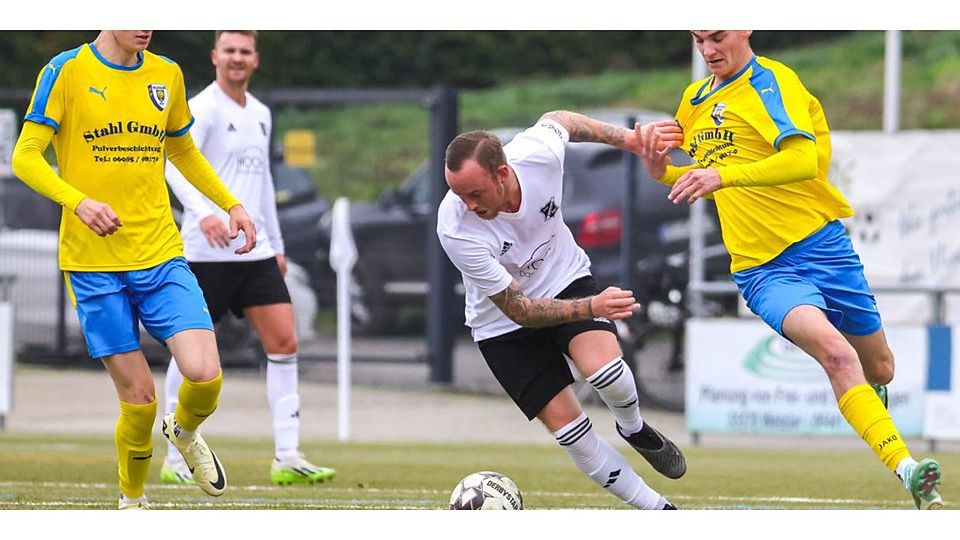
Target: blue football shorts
821,270
166,299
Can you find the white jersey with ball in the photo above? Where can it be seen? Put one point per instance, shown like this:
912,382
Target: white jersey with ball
235,140
532,246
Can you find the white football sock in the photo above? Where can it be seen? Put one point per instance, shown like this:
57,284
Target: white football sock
618,389
284,403
604,465
902,470
171,387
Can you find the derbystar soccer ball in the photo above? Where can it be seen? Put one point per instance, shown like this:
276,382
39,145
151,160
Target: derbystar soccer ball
486,490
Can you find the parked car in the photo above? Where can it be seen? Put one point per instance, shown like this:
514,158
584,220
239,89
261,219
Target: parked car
391,234
28,252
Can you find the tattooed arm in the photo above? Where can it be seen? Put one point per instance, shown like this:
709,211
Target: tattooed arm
613,303
585,129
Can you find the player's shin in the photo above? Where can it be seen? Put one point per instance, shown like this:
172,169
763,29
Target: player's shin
605,466
870,419
134,441
618,389
197,401
284,403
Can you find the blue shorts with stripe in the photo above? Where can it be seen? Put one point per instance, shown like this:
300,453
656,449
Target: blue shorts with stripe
166,299
821,270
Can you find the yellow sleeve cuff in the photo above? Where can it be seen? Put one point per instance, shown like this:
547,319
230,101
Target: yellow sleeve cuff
674,173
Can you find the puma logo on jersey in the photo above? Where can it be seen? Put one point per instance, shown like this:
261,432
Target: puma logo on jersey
101,93
767,90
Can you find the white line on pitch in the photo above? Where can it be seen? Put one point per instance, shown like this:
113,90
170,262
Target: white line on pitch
340,489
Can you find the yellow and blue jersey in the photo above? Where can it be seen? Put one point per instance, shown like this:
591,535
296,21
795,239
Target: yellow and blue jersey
744,120
111,123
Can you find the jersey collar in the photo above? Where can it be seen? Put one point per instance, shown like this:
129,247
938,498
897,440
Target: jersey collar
111,65
700,97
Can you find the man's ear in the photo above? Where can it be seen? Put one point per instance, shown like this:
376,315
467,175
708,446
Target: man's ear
503,172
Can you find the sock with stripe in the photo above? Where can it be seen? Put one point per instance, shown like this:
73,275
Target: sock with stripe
171,385
870,419
284,403
618,389
197,401
605,466
134,438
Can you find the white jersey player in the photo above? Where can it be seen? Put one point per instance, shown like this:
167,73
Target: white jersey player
233,131
531,301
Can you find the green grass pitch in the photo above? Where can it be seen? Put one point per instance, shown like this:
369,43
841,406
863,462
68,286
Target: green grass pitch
79,472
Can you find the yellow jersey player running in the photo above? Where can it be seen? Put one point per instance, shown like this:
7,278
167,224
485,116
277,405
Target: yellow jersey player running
113,110
761,148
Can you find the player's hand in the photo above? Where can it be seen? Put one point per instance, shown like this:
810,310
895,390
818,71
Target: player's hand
694,185
240,221
614,303
669,133
282,263
215,231
98,216
654,149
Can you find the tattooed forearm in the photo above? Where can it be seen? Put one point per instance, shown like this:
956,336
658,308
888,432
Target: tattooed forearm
585,129
540,312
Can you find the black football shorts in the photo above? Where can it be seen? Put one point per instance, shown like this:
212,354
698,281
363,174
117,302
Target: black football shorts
529,363
239,285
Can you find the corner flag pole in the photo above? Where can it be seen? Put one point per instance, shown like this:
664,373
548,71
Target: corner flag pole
343,255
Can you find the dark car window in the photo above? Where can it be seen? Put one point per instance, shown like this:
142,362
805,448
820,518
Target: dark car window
594,174
291,183
598,175
415,189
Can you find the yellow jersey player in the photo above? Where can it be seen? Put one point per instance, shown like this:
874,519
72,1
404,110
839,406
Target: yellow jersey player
113,110
761,148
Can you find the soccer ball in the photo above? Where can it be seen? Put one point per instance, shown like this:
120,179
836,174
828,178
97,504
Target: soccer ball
486,490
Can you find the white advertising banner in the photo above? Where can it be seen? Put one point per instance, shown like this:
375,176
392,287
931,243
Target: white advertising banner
741,377
905,190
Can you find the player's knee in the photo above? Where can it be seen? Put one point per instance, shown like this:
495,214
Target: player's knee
140,394
839,358
883,370
202,372
286,345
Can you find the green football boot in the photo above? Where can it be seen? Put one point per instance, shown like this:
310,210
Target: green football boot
881,390
922,481
175,471
297,470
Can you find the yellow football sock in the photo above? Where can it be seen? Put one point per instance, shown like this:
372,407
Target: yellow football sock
134,437
197,401
868,417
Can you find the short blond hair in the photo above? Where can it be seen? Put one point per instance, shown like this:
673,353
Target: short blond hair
249,33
